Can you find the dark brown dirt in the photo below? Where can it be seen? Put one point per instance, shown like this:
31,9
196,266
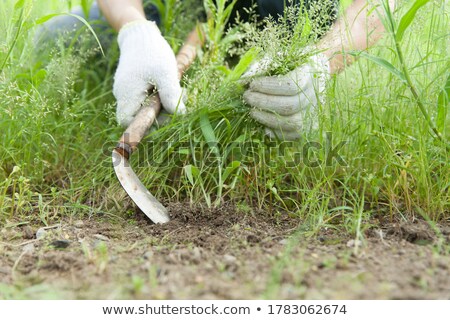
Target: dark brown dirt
221,254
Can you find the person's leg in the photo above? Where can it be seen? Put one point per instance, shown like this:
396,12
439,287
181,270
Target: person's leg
69,26
263,9
275,8
151,12
324,12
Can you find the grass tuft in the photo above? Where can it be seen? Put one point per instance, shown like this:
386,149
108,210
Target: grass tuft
372,156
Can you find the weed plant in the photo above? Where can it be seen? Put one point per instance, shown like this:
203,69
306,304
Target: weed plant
57,124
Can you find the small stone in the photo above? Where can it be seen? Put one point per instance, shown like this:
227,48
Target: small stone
354,243
196,255
29,248
28,232
283,241
41,233
60,244
172,258
229,259
442,265
81,235
445,231
148,255
145,267
5,270
101,237
183,254
251,238
230,263
79,224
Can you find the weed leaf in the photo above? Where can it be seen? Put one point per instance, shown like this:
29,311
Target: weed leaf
231,167
208,133
408,18
243,64
381,62
159,5
442,105
191,173
86,6
19,4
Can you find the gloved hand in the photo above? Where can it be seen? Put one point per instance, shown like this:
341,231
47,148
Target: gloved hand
287,104
146,60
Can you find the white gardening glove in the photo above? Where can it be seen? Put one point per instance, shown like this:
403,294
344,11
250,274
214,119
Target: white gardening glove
146,60
287,105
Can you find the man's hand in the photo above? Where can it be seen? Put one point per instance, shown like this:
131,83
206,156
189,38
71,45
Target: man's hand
287,105
146,60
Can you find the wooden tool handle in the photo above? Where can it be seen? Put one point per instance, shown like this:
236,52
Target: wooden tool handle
152,105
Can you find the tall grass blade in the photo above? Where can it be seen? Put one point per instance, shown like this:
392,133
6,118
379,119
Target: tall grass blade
381,62
408,18
19,4
86,7
442,106
159,5
192,173
243,65
16,36
228,170
52,15
208,133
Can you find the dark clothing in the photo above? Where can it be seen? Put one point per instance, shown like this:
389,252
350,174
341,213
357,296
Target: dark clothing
275,8
264,9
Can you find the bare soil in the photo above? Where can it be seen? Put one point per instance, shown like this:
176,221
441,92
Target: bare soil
221,254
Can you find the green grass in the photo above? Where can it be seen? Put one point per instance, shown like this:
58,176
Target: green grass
57,128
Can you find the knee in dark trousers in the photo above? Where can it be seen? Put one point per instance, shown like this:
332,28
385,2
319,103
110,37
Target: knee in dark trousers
274,8
69,25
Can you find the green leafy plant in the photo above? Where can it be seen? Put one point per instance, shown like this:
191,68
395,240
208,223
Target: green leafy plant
57,125
443,103
398,33
288,41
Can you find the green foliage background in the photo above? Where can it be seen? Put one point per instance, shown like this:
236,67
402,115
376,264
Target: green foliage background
57,128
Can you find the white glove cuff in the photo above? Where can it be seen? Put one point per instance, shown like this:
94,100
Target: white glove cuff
138,29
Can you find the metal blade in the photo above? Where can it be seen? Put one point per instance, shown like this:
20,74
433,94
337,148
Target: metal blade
136,190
